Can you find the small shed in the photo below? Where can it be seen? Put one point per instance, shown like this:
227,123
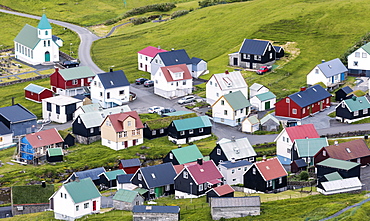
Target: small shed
250,124
130,166
220,191
127,199
36,93
343,93
124,182
69,140
109,179
54,154
340,186
234,207
170,213
279,52
264,101
270,123
298,165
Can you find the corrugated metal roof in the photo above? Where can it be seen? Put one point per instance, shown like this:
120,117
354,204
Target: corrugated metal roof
76,73
124,178
174,57
112,175
343,184
92,173
178,113
236,201
309,147
266,96
113,79
357,103
254,47
271,169
206,172
239,163
333,176
156,209
300,163
332,68
348,150
35,88
347,89
151,51
125,195
366,47
158,175
301,132
268,117
44,23
187,154
253,119
44,138
192,123
237,149
237,100
82,190
52,152
130,162
17,113
28,36
309,96
141,191
233,80
223,190
340,164
94,119
256,86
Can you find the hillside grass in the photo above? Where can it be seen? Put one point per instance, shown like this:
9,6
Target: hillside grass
320,30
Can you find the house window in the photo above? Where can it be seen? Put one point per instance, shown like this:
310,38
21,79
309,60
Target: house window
171,156
364,55
303,110
355,63
61,195
270,55
343,105
215,84
121,92
119,134
46,32
167,188
91,130
184,83
294,111
154,132
200,187
232,171
200,130
287,139
218,151
239,168
357,54
74,81
191,131
86,205
324,153
234,180
225,112
217,94
288,150
283,139
44,43
48,106
254,171
57,110
139,177
185,174
327,100
49,43
151,191
222,102
77,207
287,100
182,132
210,82
355,113
245,168
129,123
280,180
364,111
161,131
65,196
241,111
101,94
254,65
133,132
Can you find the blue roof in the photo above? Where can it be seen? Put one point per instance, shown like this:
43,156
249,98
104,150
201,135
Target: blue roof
301,163
156,209
44,23
347,89
35,88
309,96
130,162
332,68
79,97
240,163
124,178
17,113
93,173
195,60
158,175
256,47
4,129
113,79
174,57
277,48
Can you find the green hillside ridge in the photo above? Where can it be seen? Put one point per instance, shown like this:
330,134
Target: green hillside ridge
320,30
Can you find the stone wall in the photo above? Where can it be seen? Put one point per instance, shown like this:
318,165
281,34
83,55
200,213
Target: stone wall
234,212
19,209
155,216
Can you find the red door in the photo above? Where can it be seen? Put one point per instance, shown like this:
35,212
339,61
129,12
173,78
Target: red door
146,67
133,142
126,144
94,205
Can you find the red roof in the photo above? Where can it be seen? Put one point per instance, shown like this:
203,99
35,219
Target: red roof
348,150
117,119
175,69
302,132
205,172
151,51
44,138
223,190
271,169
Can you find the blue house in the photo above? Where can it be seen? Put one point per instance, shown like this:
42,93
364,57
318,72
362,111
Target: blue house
18,119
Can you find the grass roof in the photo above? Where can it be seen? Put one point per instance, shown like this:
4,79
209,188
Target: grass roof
32,194
165,121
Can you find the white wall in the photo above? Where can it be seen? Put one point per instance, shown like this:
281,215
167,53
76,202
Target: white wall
52,115
38,53
115,96
284,145
233,176
171,89
316,76
144,60
363,63
218,110
261,91
119,145
6,139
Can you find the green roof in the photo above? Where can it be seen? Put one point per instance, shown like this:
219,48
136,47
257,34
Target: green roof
82,190
309,147
192,123
333,176
357,103
237,100
141,191
44,23
178,113
125,195
28,36
266,96
112,175
366,47
187,154
163,122
76,73
268,117
253,119
340,164
32,194
52,152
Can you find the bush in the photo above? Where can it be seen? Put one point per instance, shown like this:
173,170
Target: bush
138,21
179,13
303,175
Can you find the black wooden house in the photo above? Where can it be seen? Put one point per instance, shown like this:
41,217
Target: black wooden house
353,109
346,169
343,93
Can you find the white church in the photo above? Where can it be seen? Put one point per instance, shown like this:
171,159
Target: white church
37,45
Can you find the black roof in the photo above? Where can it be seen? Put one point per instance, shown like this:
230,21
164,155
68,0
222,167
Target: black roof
4,129
310,95
175,57
124,178
79,97
159,175
300,163
17,113
156,209
256,47
130,162
347,90
113,79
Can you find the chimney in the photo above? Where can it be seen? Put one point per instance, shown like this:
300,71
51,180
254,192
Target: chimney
303,88
233,138
233,160
354,97
179,146
200,161
172,49
264,158
13,101
77,179
110,69
56,69
336,143
226,71
323,61
159,47
43,184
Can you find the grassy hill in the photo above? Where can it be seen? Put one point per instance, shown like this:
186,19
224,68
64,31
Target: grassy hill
320,29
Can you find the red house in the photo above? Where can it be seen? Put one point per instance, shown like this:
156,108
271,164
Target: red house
36,93
130,166
303,103
71,81
355,151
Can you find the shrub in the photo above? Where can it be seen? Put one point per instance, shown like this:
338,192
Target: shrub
138,21
303,175
179,13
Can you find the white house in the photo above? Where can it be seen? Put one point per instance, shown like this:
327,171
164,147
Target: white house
198,67
359,61
37,45
264,101
75,199
6,136
224,83
60,109
329,73
257,88
233,171
251,124
145,56
110,89
173,81
230,109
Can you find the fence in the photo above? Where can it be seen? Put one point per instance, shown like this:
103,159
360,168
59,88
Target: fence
24,80
348,134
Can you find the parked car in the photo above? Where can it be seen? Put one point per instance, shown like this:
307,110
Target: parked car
186,99
155,109
70,64
168,110
149,83
263,69
140,80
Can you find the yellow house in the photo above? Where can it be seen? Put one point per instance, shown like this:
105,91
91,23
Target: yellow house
122,130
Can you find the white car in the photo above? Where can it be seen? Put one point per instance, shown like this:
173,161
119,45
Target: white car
155,109
186,99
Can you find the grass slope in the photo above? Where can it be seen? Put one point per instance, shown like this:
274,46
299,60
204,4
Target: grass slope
321,29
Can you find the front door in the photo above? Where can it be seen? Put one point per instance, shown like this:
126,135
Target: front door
342,77
158,191
47,56
235,62
267,105
94,205
146,68
134,142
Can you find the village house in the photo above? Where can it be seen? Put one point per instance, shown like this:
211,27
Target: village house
187,130
330,73
359,61
234,149
233,171
230,109
269,123
59,109
126,199
225,83
250,124
343,93
170,213
75,199
307,148
6,137
93,174
353,109
122,130
37,45
303,103
298,165
220,191
130,166
18,119
173,81
346,169
333,184
71,81
183,155
108,179
145,56
263,101
87,108
257,88
235,207
124,182
36,93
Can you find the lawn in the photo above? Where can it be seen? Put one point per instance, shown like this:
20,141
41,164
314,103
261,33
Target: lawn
318,30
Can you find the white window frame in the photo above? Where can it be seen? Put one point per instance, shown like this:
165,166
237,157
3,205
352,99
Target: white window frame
294,111
355,113
185,175
218,151
200,187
